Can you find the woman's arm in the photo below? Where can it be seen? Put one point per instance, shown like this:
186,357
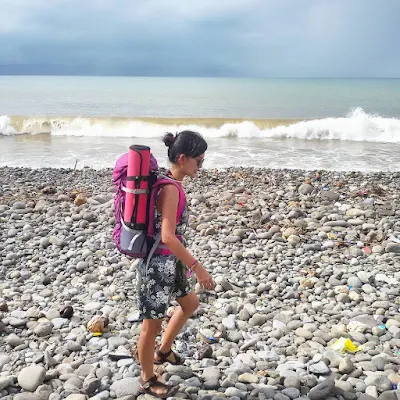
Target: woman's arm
168,205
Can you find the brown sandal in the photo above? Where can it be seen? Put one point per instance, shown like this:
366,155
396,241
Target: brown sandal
163,358
147,387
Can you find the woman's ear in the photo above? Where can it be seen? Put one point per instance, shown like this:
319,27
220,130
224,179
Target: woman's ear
181,159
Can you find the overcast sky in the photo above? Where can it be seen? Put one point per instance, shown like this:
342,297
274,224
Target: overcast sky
272,38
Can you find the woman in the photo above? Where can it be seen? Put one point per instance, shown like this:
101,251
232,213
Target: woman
165,276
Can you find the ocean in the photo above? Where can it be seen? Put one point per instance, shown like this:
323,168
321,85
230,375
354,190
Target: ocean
333,124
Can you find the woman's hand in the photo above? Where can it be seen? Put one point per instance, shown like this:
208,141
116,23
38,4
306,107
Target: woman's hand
203,277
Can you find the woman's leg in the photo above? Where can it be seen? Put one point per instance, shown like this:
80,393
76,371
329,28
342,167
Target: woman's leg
146,345
188,305
149,383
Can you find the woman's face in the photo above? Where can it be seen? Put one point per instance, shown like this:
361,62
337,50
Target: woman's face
191,165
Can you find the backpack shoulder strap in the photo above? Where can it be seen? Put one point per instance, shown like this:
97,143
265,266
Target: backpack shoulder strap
161,181
182,198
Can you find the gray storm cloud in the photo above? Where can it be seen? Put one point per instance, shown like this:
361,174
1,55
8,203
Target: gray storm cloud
207,38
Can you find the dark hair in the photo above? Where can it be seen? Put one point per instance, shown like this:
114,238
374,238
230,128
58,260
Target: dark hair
188,143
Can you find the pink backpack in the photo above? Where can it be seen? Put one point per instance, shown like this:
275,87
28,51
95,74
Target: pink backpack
141,243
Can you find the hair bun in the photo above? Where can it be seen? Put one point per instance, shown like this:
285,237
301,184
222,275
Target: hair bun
169,139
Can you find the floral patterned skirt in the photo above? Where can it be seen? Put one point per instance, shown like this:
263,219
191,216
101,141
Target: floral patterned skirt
164,280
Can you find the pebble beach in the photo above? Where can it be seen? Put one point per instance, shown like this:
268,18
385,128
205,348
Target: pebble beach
306,303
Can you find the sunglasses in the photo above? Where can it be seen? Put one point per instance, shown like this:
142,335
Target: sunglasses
200,162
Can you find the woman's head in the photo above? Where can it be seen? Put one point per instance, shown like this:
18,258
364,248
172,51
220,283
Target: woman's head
186,151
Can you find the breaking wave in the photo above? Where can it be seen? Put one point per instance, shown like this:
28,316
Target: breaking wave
356,126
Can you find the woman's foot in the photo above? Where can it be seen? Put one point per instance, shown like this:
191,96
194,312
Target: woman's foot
169,357
156,388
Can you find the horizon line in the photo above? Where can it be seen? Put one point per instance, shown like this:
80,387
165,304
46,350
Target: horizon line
199,76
